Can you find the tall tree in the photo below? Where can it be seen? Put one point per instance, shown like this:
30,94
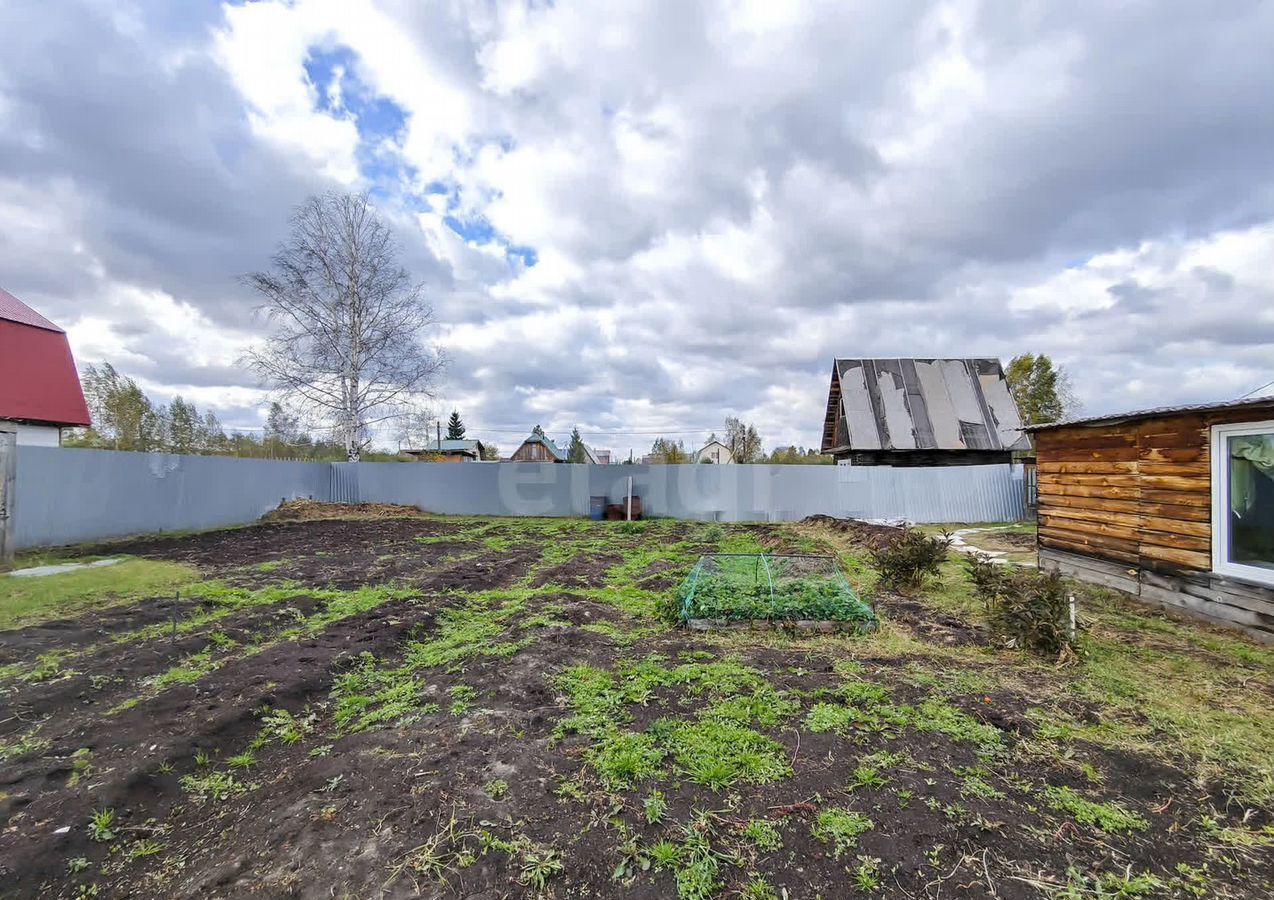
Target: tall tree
1042,390
183,426
669,452
455,428
743,441
123,416
348,320
577,452
491,452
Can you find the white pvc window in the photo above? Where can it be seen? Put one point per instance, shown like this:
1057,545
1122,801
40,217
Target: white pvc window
1243,501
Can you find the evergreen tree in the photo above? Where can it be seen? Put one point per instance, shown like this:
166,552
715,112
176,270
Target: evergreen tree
576,453
455,428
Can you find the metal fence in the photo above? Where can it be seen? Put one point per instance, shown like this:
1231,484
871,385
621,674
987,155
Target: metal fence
66,495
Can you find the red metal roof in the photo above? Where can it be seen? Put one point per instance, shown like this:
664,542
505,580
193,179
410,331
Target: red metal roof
14,310
38,381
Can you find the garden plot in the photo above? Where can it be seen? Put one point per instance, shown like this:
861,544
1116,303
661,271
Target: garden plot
397,707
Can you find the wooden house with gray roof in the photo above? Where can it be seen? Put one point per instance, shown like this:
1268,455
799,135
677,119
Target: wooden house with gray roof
921,412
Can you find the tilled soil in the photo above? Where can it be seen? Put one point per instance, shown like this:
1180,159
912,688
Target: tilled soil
412,808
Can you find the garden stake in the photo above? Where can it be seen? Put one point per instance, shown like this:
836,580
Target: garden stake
176,600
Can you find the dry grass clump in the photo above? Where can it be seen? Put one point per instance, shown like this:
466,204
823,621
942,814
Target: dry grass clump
313,510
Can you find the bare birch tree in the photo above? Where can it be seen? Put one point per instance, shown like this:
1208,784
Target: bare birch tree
348,341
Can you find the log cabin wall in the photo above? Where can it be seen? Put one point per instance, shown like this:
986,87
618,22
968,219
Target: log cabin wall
1129,504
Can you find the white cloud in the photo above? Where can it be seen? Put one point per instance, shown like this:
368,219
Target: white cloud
720,196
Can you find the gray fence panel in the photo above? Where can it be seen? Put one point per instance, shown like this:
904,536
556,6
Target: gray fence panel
66,495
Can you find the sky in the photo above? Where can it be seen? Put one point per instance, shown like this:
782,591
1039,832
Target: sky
644,217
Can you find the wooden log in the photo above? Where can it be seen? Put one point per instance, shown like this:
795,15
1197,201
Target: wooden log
1173,525
1086,467
1102,493
1178,497
1091,527
1187,559
1092,544
1199,469
1201,484
1129,480
1076,454
1174,454
1180,512
1132,520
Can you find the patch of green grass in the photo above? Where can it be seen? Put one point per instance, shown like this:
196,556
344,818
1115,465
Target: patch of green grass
28,742
28,600
624,758
655,807
216,786
763,835
461,699
841,828
101,826
720,754
1110,818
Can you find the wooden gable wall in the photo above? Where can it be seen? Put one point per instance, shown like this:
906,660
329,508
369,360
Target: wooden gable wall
1138,493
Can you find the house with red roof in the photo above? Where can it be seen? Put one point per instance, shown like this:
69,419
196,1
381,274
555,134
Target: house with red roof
40,391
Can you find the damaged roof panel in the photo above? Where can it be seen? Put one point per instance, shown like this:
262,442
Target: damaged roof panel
923,404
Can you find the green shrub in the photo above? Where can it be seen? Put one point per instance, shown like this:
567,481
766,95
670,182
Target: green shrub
1026,608
905,562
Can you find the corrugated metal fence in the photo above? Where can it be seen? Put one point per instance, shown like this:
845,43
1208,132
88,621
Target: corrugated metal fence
66,496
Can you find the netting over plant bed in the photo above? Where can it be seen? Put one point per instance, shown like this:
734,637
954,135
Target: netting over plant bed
752,586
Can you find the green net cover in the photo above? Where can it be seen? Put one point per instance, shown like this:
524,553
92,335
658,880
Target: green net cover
743,586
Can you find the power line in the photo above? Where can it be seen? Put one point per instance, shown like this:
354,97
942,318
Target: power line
1258,388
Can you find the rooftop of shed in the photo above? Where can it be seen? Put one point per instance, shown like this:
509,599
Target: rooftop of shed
921,404
1158,412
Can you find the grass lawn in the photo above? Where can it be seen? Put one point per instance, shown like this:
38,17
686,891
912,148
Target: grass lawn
27,600
495,707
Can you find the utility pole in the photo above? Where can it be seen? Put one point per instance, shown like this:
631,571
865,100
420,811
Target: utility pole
439,432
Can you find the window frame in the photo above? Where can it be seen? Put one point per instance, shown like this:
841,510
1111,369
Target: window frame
1219,468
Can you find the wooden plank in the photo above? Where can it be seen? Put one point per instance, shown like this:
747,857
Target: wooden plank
1095,467
1077,454
1129,480
1089,442
1174,454
1190,559
1202,586
1092,515
1200,469
1173,541
1192,484
1088,542
1105,493
1178,498
1094,504
1210,608
1173,525
1178,511
1086,568
1060,542
1091,527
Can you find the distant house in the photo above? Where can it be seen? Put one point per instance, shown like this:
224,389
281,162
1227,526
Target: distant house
40,391
450,451
921,412
714,452
601,457
538,448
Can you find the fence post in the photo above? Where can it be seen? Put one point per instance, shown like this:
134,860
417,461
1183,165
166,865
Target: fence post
8,494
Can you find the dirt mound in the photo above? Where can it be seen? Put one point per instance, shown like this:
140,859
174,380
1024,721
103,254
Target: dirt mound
866,534
311,510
